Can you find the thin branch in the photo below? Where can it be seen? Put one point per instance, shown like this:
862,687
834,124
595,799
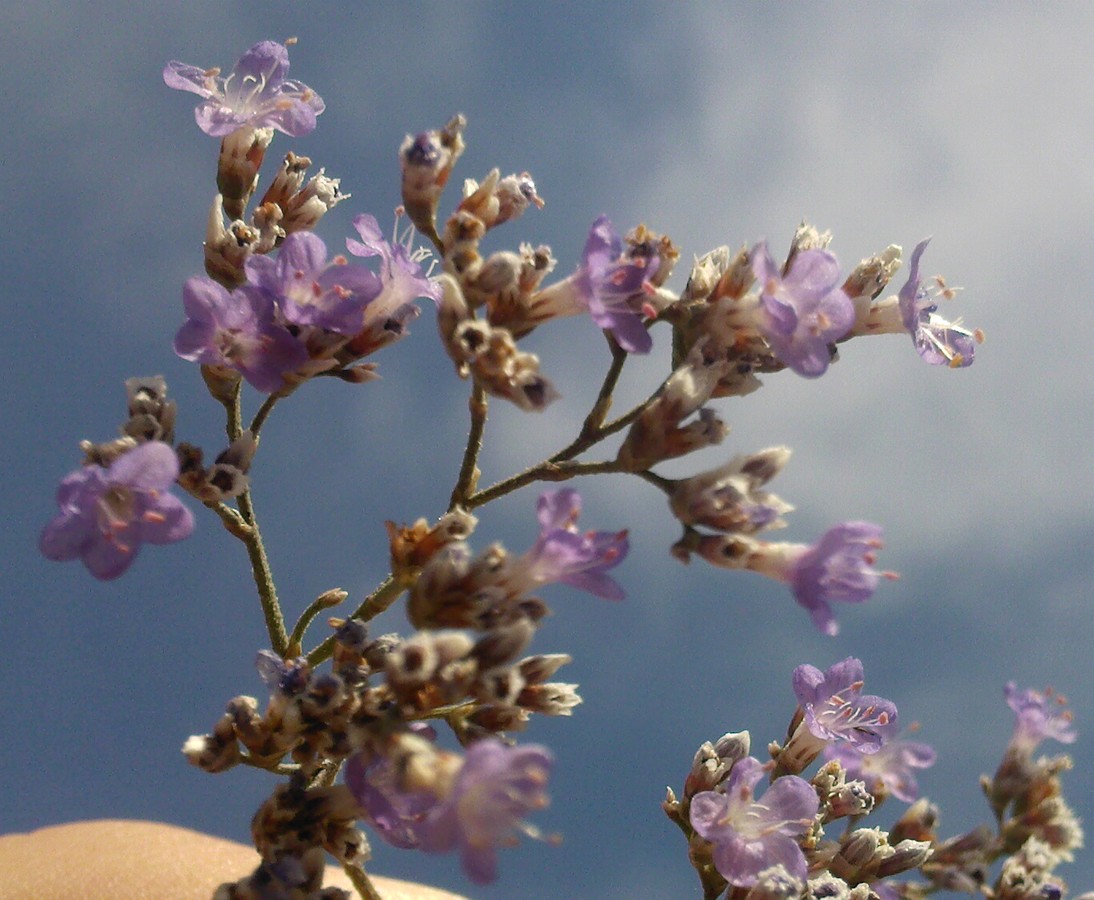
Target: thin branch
544,471
469,472
233,410
658,481
326,600
263,578
263,413
375,603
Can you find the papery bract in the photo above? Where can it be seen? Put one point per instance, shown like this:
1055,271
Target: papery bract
106,514
257,93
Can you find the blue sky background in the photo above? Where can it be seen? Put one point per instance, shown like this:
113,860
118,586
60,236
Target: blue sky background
720,123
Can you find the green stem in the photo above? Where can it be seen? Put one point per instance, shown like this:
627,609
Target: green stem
324,601
374,604
233,522
233,410
263,413
263,578
544,471
469,473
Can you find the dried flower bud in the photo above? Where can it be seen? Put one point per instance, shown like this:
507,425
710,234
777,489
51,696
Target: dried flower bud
226,249
427,162
241,155
303,210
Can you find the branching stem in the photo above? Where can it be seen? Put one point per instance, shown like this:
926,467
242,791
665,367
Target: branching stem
469,472
374,604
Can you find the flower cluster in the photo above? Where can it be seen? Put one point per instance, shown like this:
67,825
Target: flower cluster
367,711
276,308
776,845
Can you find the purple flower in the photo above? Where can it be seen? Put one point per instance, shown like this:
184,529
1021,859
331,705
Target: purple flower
562,553
403,282
107,513
836,710
492,793
750,835
237,331
937,341
609,282
839,567
482,809
804,310
257,93
396,815
312,291
889,770
1038,716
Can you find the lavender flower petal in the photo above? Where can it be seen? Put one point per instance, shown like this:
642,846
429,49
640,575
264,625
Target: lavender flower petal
804,310
749,835
256,94
105,514
836,710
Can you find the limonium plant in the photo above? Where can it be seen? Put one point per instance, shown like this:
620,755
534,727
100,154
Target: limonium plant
411,740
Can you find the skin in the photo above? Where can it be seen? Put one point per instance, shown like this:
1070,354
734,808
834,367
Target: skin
111,858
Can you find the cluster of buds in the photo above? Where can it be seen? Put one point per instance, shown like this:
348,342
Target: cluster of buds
368,711
489,354
293,831
151,418
659,432
289,205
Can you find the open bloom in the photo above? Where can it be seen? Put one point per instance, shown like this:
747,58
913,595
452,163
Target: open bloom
608,283
937,341
839,567
562,553
310,290
1038,716
804,310
258,93
496,787
107,513
479,810
752,835
403,282
237,331
836,710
